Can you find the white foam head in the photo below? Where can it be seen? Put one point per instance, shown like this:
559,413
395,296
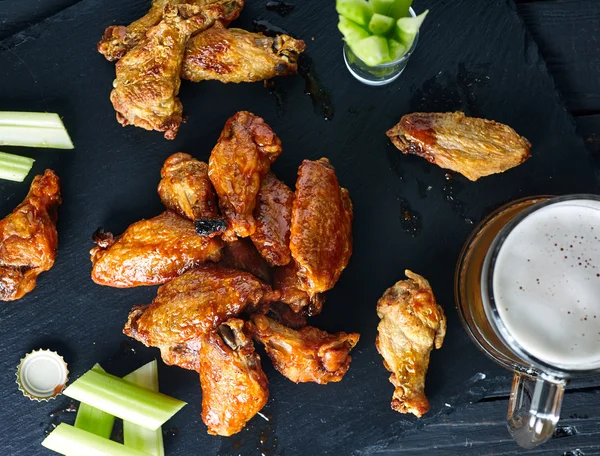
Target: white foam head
546,284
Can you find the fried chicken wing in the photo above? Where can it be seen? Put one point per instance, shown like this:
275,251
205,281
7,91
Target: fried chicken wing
285,280
243,155
148,76
151,252
282,313
28,238
118,39
242,255
234,386
190,306
186,189
273,215
412,323
470,146
306,355
235,55
321,233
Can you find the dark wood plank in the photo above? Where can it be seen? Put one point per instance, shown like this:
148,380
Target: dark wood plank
568,35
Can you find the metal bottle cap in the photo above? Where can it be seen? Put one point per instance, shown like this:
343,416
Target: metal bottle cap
42,375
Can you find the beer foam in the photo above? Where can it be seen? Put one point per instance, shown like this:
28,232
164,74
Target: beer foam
546,284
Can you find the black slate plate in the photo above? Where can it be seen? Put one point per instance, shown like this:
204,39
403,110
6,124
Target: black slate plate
472,56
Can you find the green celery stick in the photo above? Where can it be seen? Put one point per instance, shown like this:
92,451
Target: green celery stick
382,6
352,31
359,11
14,167
372,50
380,24
408,27
92,420
400,9
33,129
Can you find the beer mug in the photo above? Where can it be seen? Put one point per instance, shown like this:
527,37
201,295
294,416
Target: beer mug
527,290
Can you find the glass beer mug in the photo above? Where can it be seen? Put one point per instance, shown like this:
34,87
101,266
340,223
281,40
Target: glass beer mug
527,290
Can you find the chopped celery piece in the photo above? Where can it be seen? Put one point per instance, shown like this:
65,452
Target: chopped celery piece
400,9
352,32
33,129
408,27
14,167
382,6
70,441
397,49
359,11
372,50
380,24
138,437
92,420
122,399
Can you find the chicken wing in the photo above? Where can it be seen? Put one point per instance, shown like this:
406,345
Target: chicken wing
242,255
321,233
470,146
234,386
151,252
190,306
412,323
235,55
273,215
186,189
28,238
118,39
243,155
306,355
148,76
285,280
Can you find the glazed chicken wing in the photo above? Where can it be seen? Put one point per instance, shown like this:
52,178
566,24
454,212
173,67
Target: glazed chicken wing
118,39
306,355
286,281
242,255
235,55
148,76
243,155
273,215
28,238
321,234
234,386
412,323
470,146
190,306
151,252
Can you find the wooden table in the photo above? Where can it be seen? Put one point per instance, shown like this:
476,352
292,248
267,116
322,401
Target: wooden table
568,35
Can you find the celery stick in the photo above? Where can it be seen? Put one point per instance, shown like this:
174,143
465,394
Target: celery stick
92,420
70,441
123,399
14,167
33,129
138,437
408,27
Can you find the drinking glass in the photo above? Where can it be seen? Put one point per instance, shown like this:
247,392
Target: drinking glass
538,386
380,74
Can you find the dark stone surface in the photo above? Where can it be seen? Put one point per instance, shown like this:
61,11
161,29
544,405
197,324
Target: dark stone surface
474,56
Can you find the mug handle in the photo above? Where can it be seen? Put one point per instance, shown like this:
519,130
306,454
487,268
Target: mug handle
534,408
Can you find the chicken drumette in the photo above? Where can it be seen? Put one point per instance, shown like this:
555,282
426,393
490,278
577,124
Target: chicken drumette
412,323
286,281
235,55
234,386
149,75
189,307
151,252
28,238
243,155
306,355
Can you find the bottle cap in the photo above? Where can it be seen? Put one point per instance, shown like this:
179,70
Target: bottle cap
42,375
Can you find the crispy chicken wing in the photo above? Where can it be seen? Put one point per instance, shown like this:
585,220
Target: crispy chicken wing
283,314
243,155
242,255
148,76
273,215
411,324
28,238
470,146
234,386
235,55
285,280
321,234
306,355
151,252
118,39
190,306
186,189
